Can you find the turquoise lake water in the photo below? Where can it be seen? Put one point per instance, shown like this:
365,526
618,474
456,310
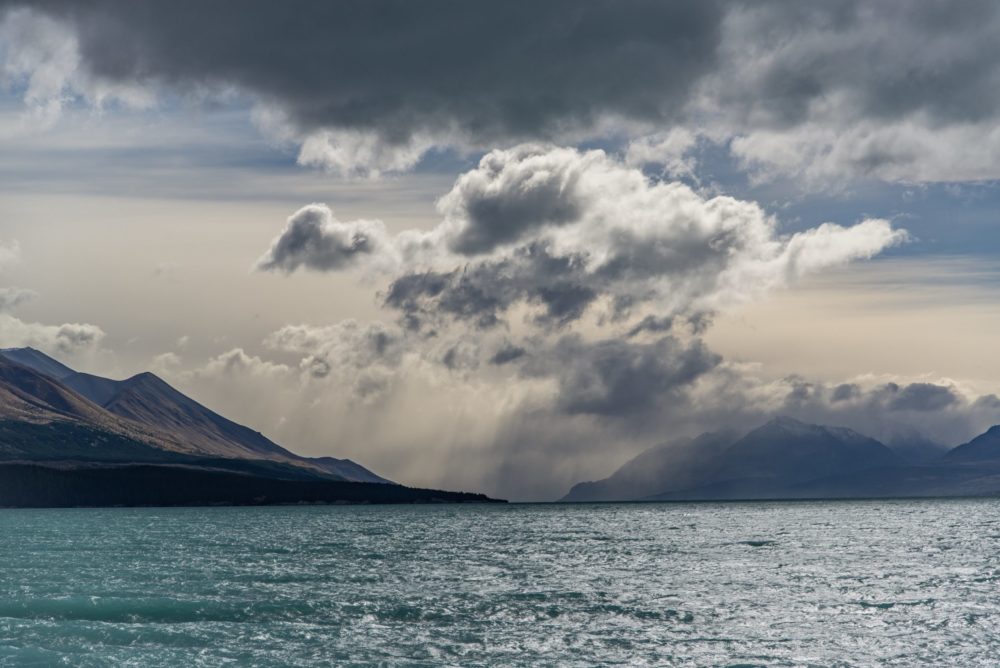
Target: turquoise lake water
825,583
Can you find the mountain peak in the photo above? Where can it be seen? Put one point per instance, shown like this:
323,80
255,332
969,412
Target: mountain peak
37,361
785,421
788,425
144,377
792,427
147,381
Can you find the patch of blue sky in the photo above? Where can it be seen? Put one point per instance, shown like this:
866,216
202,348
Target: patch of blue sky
942,218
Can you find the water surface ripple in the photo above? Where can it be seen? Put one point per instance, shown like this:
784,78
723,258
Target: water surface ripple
779,584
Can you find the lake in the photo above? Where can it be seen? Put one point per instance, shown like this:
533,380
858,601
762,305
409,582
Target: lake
859,583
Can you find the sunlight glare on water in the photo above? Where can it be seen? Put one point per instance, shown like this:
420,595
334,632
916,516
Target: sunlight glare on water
817,583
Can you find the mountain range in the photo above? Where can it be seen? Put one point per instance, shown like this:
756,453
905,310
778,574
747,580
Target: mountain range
69,438
72,438
789,459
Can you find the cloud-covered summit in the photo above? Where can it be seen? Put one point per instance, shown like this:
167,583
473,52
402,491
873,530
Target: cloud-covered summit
561,298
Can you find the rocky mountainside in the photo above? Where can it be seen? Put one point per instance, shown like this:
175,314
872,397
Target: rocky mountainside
69,438
174,421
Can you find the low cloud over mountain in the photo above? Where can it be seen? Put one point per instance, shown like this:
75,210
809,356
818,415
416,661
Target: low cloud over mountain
579,290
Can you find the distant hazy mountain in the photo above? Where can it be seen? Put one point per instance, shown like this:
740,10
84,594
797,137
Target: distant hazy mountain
676,465
983,448
786,458
917,448
785,451
53,418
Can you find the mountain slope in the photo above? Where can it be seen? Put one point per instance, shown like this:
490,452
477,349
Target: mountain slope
147,399
97,389
173,420
675,465
28,393
983,448
37,360
916,448
70,440
785,451
347,469
41,418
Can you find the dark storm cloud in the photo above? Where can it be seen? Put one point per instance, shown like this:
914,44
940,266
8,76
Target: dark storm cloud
920,397
630,245
314,239
616,378
988,402
891,397
507,354
482,292
651,323
816,91
505,200
489,69
845,392
373,63
889,58
700,322
891,89
497,220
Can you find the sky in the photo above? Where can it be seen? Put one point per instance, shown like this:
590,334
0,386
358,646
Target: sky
505,247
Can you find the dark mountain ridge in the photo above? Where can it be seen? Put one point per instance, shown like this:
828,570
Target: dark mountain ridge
31,485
